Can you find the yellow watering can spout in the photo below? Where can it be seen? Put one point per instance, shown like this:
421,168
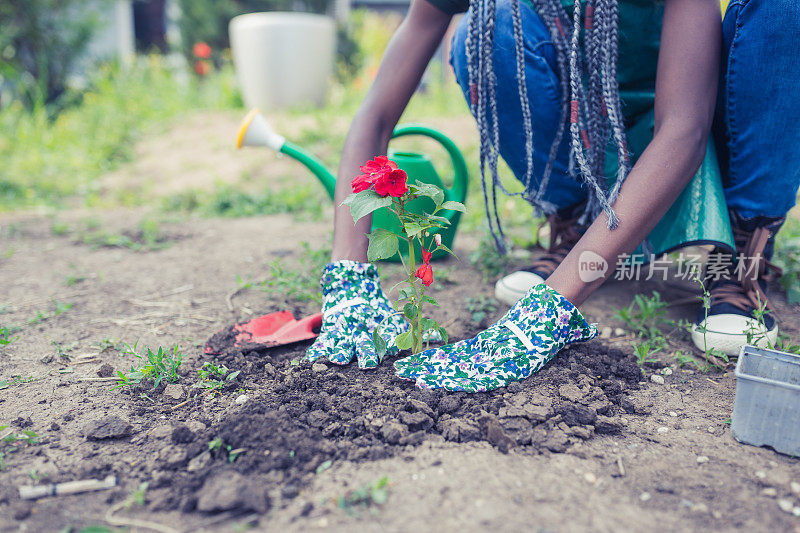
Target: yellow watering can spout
256,131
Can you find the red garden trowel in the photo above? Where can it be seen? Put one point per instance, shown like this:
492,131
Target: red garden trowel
268,331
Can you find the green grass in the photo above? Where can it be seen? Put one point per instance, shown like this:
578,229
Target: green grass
48,159
227,201
787,257
293,283
147,237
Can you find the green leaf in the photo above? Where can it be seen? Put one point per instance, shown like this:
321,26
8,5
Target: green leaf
365,202
405,292
383,244
404,341
323,466
454,206
430,190
430,300
410,310
3,385
378,342
444,335
446,249
436,218
413,229
428,324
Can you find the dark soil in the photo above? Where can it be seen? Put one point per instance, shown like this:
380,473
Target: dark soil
302,417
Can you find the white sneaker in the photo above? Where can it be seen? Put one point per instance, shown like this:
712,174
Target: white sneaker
729,332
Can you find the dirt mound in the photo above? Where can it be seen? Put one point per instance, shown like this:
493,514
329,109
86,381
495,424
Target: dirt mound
305,416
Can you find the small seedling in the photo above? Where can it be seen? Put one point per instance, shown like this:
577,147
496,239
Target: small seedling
74,277
63,350
487,260
217,445
60,308
479,307
643,351
110,344
213,377
157,366
644,315
374,494
5,334
12,441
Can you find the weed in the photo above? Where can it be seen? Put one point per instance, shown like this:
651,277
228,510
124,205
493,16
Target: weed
644,351
63,350
241,284
11,441
714,358
489,262
479,307
74,277
147,237
156,366
138,496
5,334
644,315
299,284
110,344
218,446
60,308
214,377
366,496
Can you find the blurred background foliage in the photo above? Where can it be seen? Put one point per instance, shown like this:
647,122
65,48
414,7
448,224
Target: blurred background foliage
39,44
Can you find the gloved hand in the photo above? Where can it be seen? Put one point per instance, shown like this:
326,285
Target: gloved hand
519,344
353,305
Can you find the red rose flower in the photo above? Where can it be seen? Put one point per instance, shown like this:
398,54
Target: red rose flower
201,50
202,68
392,184
425,271
372,172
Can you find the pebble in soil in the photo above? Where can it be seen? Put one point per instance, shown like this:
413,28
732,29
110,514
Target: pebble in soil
299,416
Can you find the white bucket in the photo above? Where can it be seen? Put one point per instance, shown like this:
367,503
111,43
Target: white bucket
282,59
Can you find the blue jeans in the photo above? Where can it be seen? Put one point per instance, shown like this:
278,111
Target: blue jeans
757,124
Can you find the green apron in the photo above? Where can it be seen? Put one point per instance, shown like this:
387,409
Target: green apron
700,214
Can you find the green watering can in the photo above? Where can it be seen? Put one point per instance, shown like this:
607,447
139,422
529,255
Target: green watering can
256,131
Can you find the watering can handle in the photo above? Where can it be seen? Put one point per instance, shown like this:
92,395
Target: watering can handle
458,192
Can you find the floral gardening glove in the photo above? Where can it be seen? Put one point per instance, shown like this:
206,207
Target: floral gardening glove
353,305
519,344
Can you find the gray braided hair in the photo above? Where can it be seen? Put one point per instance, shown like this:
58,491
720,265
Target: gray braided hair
592,113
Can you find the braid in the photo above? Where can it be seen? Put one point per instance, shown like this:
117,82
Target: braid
592,112
611,94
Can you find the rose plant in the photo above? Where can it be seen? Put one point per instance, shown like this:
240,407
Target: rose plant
383,184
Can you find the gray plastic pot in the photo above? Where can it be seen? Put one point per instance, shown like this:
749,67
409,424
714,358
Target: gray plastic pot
766,411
